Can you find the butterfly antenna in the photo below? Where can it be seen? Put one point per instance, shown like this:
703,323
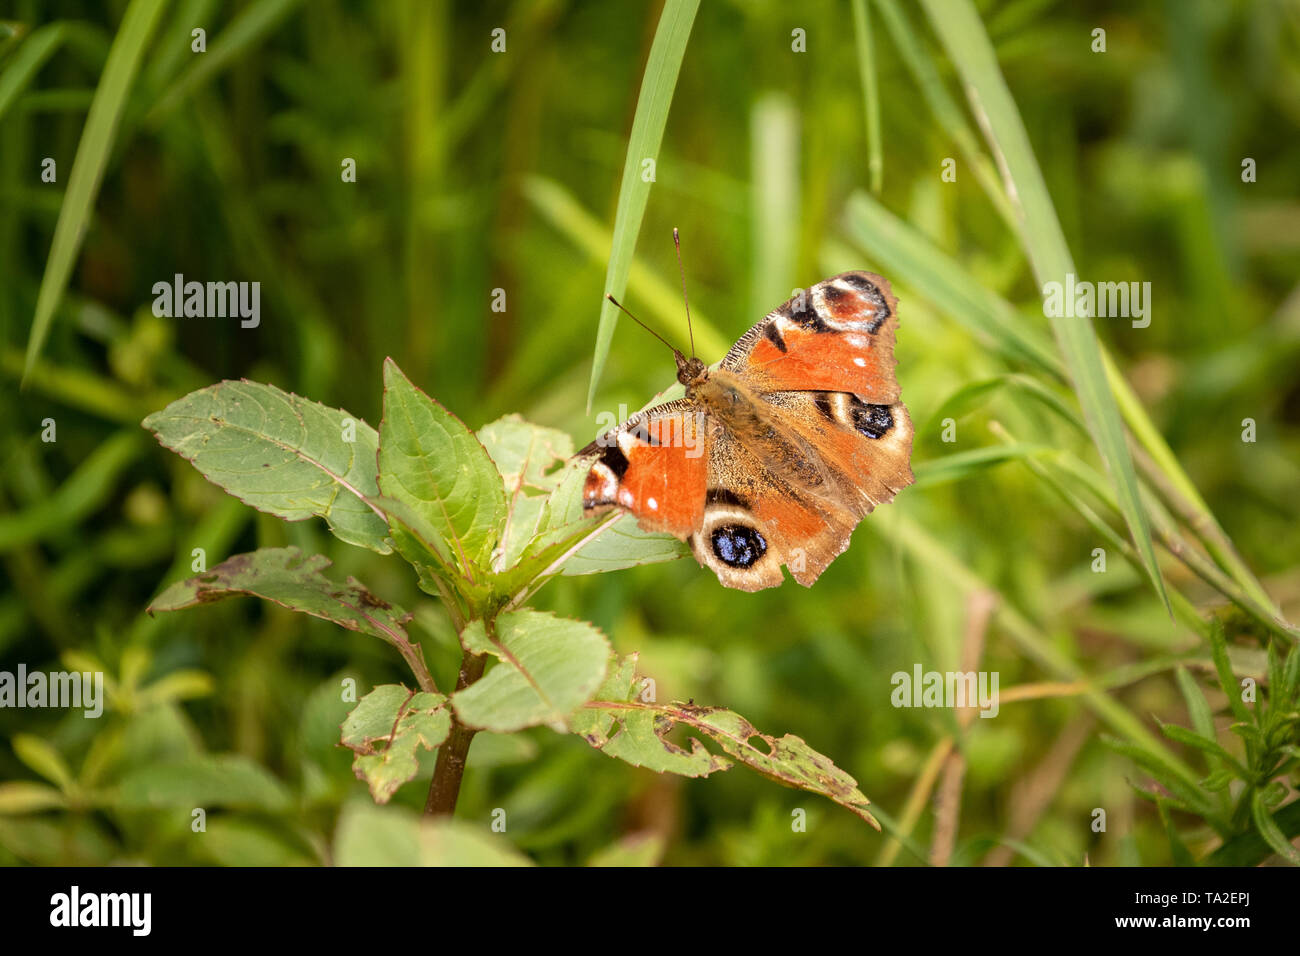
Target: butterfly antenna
640,323
677,242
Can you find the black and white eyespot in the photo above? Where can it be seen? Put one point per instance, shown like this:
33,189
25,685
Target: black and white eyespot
829,297
738,545
874,421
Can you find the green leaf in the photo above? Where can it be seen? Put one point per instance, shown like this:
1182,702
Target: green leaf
657,85
281,454
368,835
636,849
624,726
178,685
420,544
529,458
226,780
41,757
80,495
232,840
88,166
1177,848
1227,680
285,577
1249,848
1219,780
1197,706
434,464
1206,745
20,797
1287,689
1166,774
384,730
1271,832
548,667
959,27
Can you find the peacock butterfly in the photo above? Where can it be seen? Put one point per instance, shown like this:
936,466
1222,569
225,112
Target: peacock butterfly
776,454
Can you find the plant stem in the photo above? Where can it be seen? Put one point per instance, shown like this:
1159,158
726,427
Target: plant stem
450,768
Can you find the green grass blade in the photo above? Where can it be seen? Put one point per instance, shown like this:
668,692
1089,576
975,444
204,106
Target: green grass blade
88,167
647,133
774,156
26,63
906,254
959,27
870,93
916,57
660,298
244,32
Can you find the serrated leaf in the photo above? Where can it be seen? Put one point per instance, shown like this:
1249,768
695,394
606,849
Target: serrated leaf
635,731
419,543
385,729
281,454
226,780
285,577
527,456
432,462
548,667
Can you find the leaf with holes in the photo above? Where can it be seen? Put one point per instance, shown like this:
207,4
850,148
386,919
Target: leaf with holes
282,454
547,668
621,724
385,729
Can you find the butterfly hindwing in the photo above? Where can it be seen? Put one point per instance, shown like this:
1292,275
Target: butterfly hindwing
773,457
754,522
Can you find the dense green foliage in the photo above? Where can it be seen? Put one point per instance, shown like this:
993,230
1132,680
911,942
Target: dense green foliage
479,171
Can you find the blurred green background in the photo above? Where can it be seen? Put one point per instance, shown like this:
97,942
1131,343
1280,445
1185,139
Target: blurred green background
479,171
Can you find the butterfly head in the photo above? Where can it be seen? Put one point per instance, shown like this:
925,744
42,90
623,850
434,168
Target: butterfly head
690,371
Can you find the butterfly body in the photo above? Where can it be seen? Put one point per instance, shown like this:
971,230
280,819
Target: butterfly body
772,457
